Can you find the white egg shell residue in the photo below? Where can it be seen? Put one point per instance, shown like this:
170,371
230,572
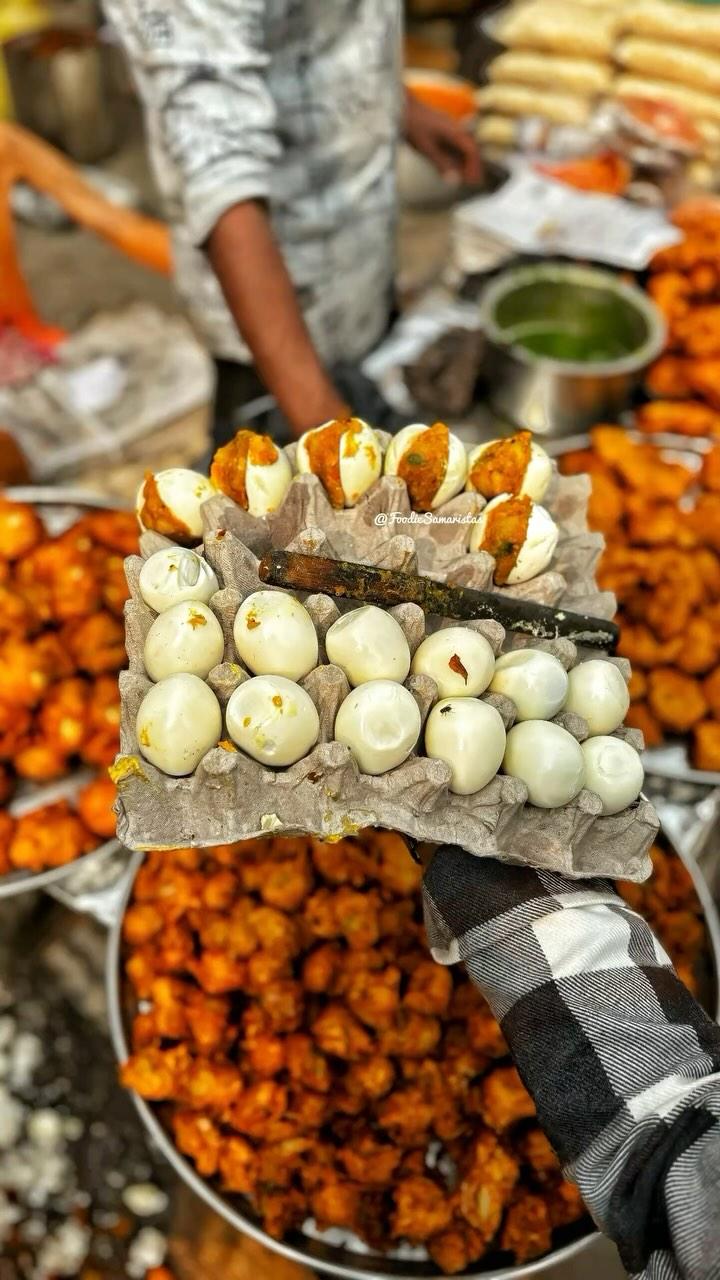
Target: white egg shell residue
186,637
368,644
534,680
266,485
548,760
380,723
458,659
183,493
455,472
469,736
538,474
613,770
597,691
178,722
538,548
360,459
175,574
275,636
273,720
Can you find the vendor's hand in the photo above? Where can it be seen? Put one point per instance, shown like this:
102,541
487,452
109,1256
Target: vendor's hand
443,141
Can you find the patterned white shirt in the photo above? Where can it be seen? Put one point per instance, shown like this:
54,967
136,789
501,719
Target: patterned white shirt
296,102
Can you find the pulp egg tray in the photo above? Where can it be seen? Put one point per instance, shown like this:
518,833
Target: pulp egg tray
231,797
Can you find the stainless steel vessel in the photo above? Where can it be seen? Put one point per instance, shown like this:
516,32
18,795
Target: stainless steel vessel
337,1260
538,319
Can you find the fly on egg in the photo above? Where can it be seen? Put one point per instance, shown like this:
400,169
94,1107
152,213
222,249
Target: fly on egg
469,736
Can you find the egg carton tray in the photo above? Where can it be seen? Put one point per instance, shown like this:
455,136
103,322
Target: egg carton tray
231,797
435,544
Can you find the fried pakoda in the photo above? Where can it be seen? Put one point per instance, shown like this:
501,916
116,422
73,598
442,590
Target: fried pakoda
676,699
49,837
527,1230
95,806
21,529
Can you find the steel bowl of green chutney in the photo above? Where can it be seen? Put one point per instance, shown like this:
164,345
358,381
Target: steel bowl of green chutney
566,345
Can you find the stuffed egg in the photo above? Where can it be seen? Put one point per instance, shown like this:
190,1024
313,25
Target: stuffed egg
516,465
169,502
520,535
345,455
432,462
253,471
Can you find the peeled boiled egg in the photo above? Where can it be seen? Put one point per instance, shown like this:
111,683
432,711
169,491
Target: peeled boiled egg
253,471
169,502
520,535
380,722
168,577
548,760
470,737
275,636
613,770
432,462
345,455
187,637
515,465
597,691
273,720
535,681
369,645
458,659
179,721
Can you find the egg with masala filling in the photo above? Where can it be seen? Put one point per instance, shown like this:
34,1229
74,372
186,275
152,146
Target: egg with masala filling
273,720
175,574
178,722
380,723
170,502
253,471
345,455
458,659
432,462
520,535
187,637
275,636
516,465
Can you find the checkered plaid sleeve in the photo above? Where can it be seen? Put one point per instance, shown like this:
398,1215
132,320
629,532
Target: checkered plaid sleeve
622,1062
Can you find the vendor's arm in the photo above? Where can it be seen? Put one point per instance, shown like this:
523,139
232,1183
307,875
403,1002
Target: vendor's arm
202,71
620,1059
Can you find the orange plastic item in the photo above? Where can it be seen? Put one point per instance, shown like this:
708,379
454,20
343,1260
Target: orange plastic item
606,173
453,97
26,158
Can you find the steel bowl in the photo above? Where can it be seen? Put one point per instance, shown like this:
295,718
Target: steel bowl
566,345
337,1260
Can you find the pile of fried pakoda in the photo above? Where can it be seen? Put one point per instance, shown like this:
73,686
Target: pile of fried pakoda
661,521
62,644
313,1057
685,283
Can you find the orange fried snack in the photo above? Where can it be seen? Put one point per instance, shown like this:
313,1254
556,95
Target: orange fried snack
676,699
678,417
95,806
49,837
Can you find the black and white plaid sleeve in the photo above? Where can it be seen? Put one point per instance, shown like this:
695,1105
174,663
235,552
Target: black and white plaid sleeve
622,1062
